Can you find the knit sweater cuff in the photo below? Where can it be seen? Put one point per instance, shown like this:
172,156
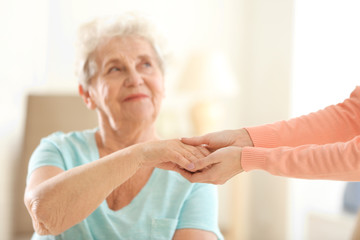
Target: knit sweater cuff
263,136
252,158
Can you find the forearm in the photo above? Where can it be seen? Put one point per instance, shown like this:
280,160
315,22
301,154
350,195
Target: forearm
193,234
338,161
332,124
64,200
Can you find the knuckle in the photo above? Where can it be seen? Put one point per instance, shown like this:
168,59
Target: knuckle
177,157
188,155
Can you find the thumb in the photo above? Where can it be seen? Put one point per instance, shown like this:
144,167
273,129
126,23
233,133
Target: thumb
195,141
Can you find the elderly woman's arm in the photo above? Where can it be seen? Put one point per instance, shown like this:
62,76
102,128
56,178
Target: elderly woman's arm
57,199
193,234
199,221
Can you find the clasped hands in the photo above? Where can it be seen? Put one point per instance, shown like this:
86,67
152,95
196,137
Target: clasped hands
221,158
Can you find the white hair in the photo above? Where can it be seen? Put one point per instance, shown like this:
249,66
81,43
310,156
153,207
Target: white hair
92,33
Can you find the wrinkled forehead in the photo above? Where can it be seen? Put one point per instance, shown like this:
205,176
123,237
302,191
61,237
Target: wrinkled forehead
125,48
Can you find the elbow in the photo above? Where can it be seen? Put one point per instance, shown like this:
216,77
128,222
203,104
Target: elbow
44,222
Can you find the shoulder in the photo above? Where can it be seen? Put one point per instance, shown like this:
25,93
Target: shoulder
65,150
61,139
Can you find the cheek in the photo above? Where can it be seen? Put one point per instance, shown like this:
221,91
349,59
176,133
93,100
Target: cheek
161,91
157,91
159,87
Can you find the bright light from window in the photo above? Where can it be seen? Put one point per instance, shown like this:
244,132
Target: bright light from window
326,68
326,63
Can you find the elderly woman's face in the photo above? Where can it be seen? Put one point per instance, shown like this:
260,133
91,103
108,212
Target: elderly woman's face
129,84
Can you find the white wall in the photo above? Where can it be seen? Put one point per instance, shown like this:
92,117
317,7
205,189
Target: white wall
17,75
268,27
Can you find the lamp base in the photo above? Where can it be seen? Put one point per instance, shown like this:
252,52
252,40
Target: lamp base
206,116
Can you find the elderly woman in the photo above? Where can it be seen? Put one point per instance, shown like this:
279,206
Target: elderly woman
104,183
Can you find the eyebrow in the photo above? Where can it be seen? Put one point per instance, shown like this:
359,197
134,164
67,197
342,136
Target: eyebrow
146,56
110,62
117,60
155,58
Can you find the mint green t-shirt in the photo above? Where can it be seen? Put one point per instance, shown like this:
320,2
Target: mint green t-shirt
167,202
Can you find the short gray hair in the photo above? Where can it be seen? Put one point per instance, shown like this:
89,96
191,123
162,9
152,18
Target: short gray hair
92,33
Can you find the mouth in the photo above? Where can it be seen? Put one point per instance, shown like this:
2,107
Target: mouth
135,96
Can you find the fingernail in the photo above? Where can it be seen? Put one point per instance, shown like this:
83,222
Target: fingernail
190,166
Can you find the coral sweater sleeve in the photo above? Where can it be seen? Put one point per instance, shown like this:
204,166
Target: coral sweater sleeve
320,145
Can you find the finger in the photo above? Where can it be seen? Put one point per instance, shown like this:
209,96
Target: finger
210,175
204,162
174,167
190,154
195,141
201,177
204,151
194,153
185,161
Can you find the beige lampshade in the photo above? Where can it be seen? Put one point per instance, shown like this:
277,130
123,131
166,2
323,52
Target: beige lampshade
208,74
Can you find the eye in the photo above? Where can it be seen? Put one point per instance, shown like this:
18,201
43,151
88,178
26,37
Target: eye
114,69
147,64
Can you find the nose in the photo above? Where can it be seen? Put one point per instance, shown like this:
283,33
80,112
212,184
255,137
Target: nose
133,79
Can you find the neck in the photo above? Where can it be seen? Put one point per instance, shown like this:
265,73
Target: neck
124,135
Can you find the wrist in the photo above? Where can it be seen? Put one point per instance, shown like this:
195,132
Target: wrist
239,158
243,138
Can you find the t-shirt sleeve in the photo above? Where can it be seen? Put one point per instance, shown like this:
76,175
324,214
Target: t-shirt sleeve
200,209
46,154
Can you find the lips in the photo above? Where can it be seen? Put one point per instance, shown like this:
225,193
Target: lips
135,96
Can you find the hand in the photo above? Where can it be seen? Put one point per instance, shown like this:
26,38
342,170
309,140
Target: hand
170,154
217,167
216,140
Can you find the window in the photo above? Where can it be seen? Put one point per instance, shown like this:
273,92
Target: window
326,68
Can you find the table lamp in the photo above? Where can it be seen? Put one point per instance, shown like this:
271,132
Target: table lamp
207,81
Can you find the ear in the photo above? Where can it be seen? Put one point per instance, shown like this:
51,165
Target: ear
86,97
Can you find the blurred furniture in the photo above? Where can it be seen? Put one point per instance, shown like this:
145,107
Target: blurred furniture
45,114
356,231
331,226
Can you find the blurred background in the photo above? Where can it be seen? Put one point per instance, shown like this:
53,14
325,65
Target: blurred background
234,63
